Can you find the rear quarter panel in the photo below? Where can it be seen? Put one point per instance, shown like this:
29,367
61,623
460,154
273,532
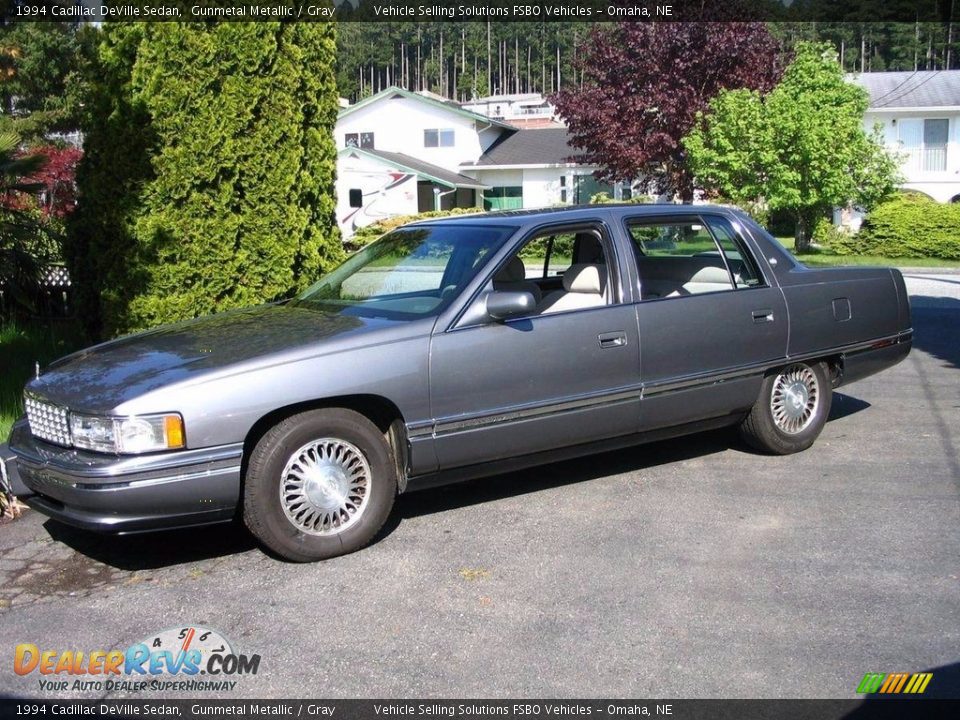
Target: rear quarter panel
836,307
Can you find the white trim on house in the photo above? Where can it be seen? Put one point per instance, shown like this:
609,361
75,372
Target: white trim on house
929,168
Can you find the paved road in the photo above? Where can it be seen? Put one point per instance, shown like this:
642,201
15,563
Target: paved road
684,568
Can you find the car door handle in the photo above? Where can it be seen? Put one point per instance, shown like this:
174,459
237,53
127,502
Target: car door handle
760,316
612,339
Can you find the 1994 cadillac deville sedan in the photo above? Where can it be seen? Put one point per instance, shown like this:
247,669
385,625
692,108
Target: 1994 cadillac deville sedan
451,349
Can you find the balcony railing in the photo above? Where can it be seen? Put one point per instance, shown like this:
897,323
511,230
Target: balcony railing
930,158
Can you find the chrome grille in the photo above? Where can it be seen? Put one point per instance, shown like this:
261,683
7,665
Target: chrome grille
48,422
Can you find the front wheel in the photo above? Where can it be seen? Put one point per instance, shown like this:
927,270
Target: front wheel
319,484
791,411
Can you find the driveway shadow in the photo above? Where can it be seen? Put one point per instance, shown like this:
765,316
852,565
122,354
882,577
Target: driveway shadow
844,405
936,327
151,551
554,475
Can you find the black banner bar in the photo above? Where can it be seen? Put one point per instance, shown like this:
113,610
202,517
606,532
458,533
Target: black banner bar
664,709
420,11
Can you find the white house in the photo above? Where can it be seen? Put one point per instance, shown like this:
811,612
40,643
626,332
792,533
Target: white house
919,113
401,152
534,168
523,110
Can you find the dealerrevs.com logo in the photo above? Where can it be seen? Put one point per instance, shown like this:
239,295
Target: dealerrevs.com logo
186,658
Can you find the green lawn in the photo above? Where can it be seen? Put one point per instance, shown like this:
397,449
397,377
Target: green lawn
20,347
824,258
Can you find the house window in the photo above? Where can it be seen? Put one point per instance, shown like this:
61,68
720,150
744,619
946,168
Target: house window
925,142
360,140
935,144
356,197
438,138
503,198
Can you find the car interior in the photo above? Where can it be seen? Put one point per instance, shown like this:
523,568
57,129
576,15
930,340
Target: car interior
676,260
563,271
568,270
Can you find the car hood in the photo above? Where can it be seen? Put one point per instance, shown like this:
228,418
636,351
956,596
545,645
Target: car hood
102,377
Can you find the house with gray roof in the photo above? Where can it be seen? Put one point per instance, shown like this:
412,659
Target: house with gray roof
401,153
919,115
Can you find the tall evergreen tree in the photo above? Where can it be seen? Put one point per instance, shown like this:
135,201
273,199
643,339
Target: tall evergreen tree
208,177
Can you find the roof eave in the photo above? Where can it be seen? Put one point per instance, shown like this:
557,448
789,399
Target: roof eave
476,117
914,108
418,173
526,166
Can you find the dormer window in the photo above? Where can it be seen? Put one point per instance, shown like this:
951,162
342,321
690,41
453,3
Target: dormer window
438,138
359,140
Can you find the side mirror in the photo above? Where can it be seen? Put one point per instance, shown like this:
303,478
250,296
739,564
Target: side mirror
503,305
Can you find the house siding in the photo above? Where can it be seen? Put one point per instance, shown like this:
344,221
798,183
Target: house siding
921,168
398,124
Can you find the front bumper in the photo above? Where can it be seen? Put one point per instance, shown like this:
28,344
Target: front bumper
115,494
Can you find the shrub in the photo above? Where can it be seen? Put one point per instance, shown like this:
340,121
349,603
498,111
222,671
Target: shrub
207,182
839,240
603,198
909,225
366,235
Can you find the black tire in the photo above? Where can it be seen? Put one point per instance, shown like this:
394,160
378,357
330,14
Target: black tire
780,432
336,532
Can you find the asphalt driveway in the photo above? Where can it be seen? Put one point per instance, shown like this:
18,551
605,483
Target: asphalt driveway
686,568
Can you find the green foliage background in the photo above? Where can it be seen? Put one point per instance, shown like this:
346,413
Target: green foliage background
801,148
207,182
908,225
366,235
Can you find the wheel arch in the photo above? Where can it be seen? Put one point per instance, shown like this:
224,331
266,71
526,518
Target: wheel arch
834,363
379,410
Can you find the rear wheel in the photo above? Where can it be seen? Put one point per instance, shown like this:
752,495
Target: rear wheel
319,484
791,411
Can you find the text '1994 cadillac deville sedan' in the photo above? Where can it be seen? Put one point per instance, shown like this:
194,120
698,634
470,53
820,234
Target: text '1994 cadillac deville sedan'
447,350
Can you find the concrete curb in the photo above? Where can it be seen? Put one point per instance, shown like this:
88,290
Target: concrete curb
929,270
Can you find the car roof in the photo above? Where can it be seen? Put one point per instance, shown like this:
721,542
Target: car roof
574,213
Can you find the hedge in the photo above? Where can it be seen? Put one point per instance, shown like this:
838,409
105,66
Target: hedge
208,178
909,225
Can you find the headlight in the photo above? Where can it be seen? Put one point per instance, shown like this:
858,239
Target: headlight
131,435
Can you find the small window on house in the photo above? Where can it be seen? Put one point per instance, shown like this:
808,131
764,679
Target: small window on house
356,197
438,138
360,140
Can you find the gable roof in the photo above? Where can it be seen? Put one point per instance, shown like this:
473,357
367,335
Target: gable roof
448,105
542,146
916,89
427,171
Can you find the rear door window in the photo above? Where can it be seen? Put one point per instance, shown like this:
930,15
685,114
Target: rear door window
691,256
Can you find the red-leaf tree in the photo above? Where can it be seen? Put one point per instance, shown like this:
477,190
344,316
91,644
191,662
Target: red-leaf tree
57,177
643,84
49,184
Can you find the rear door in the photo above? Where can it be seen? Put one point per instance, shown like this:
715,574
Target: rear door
710,318
547,380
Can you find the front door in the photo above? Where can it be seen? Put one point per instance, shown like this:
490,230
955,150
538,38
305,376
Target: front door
564,375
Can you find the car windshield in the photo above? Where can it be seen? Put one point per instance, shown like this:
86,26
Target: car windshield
409,273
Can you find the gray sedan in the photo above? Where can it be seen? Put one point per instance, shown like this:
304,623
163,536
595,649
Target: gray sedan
447,350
